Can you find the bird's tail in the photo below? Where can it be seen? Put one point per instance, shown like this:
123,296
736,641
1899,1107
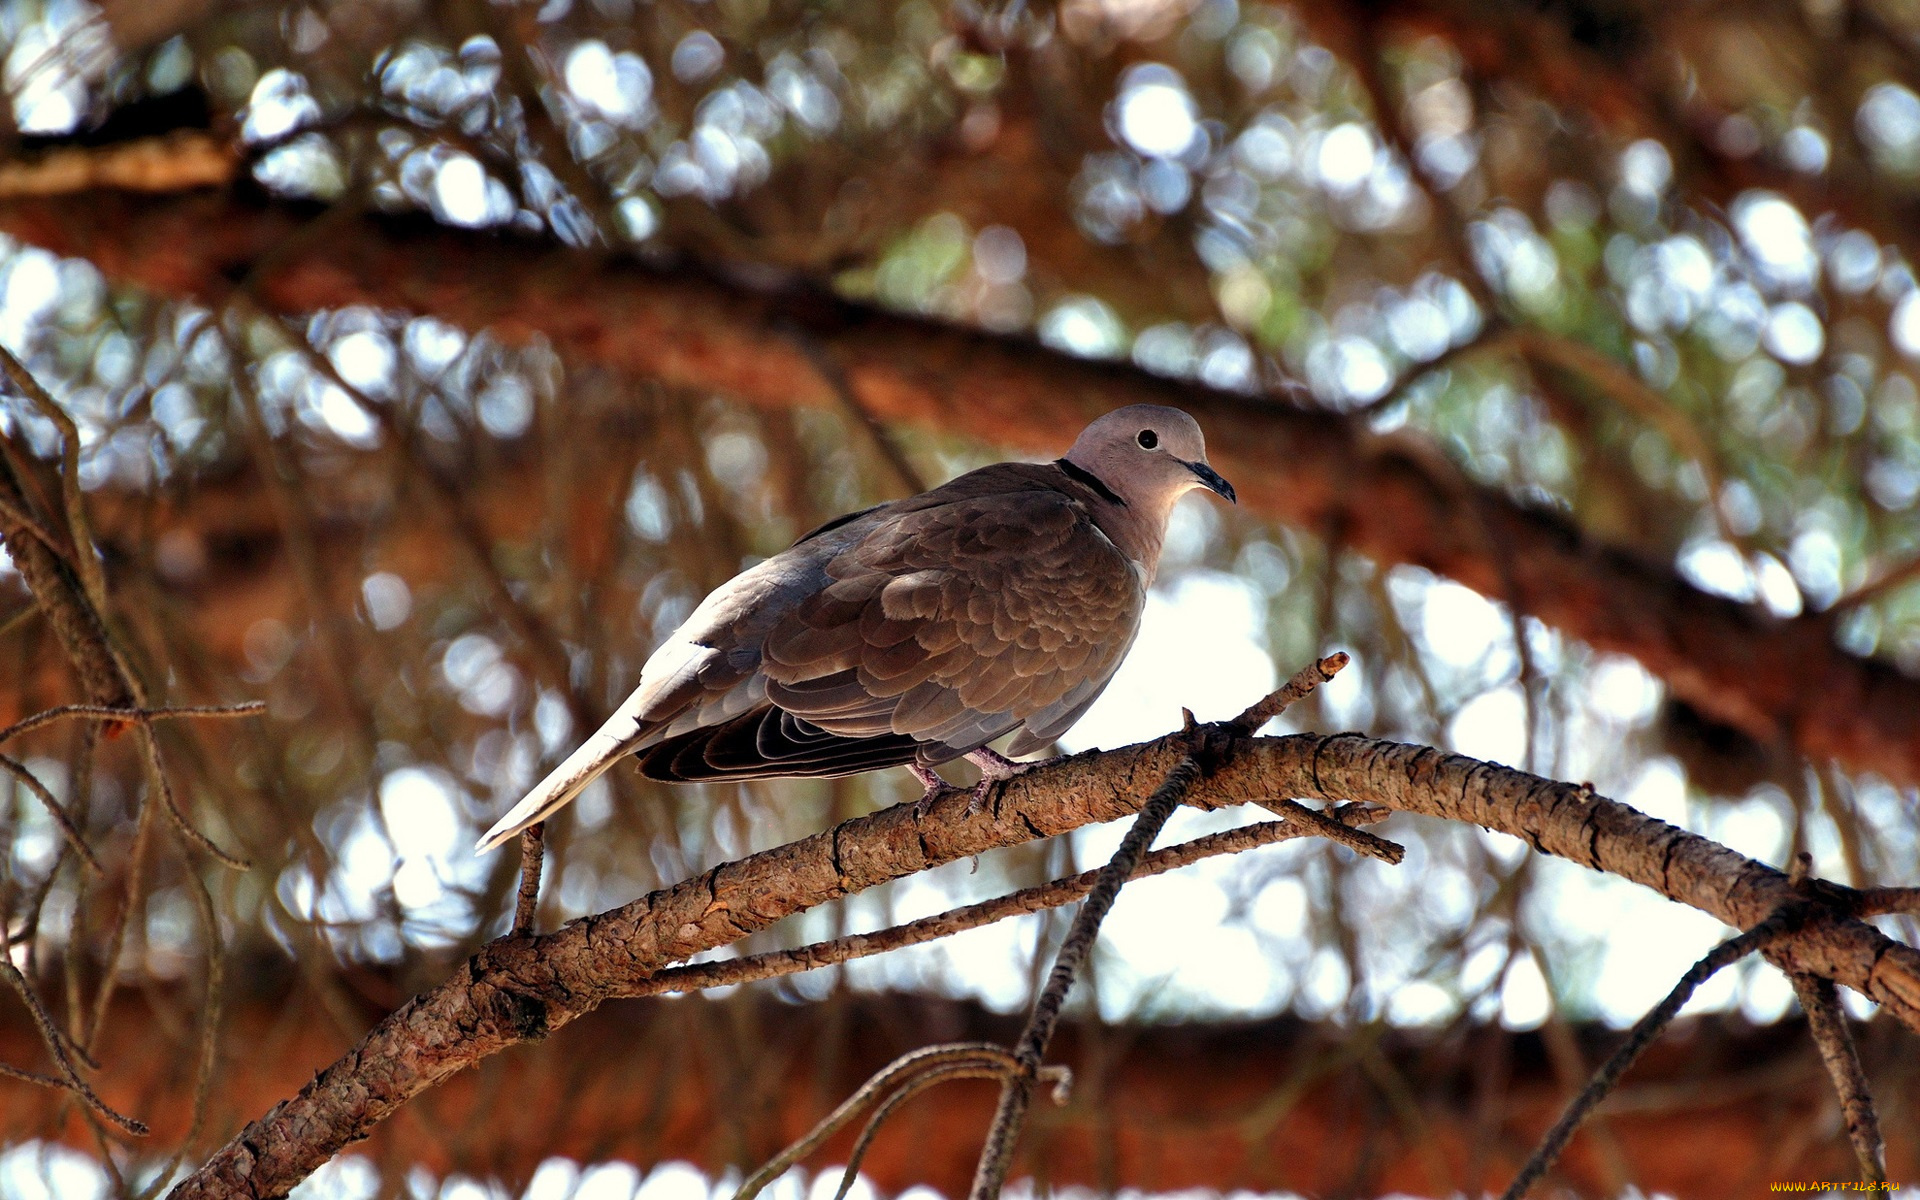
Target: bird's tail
566,781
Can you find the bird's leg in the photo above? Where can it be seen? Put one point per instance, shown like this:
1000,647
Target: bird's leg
994,768
935,786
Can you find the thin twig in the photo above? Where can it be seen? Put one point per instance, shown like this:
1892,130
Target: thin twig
1061,1077
774,963
1290,693
26,520
150,742
1821,1001
85,561
1357,840
67,712
1895,579
532,851
54,809
1879,901
135,871
835,377
17,620
58,589
1279,701
1016,1094
211,1009
1644,1031
900,1071
51,1081
208,1054
57,1046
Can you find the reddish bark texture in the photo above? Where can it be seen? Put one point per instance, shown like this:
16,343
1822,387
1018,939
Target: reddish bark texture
520,990
1313,470
1715,1110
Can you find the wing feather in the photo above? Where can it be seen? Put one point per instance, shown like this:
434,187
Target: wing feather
962,620
919,630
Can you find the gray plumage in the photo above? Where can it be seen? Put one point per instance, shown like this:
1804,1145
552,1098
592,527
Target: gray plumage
915,632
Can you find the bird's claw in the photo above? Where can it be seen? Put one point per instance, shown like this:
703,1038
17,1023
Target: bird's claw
938,789
995,769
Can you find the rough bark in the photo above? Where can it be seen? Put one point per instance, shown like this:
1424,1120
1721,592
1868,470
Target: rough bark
1712,1109
1313,470
517,990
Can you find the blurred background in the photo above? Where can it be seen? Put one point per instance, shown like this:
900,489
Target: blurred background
429,359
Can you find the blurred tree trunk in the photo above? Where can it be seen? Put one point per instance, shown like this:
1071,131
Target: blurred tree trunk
1393,500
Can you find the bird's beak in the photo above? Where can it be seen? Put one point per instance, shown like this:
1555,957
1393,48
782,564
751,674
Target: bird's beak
1213,480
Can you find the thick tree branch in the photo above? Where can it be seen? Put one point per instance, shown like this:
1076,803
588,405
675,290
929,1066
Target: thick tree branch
520,989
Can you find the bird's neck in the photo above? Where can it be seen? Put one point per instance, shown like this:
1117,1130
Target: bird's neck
1133,527
1137,528
1139,531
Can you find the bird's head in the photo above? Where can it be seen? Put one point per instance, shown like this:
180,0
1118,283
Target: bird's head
1148,455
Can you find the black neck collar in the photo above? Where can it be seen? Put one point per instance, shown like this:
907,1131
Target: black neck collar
1077,472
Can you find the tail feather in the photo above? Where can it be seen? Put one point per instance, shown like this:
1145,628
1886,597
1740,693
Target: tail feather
566,781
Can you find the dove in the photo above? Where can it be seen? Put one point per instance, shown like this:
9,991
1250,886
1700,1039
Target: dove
915,632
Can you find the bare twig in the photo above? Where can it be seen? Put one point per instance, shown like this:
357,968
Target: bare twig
55,810
1892,581
211,1011
1879,901
532,852
1060,1077
1357,840
18,514
59,591
1645,1030
34,1077
135,869
57,1046
835,377
984,1057
1017,1092
1821,1001
774,963
18,620
98,712
84,561
1290,693
150,742
1286,696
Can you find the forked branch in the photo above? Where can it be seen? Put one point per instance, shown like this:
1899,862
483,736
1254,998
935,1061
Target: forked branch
1205,747
519,988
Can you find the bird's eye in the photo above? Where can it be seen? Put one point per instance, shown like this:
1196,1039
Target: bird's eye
1148,439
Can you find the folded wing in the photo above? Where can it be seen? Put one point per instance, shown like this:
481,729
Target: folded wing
919,631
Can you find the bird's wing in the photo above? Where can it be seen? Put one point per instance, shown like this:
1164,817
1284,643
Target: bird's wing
704,674
938,622
955,622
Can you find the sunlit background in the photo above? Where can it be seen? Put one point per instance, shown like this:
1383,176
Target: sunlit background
1206,190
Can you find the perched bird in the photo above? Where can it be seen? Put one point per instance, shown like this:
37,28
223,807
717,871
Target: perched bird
914,632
